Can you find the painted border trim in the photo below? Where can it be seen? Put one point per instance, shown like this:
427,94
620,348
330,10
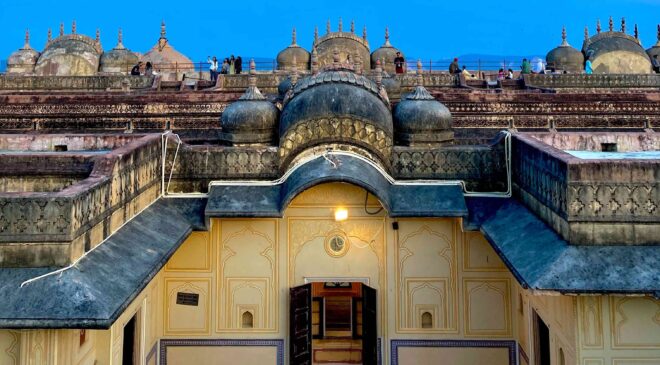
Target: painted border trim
152,352
164,344
396,344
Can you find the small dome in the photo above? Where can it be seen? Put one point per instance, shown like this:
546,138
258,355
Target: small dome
286,57
565,58
615,52
283,87
419,119
119,60
251,119
336,106
70,55
22,61
385,54
655,50
164,54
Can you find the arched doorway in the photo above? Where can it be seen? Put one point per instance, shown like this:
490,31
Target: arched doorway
336,274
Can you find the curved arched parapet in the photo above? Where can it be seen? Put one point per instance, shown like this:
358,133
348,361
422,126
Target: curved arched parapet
270,198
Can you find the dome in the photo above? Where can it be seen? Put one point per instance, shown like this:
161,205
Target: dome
173,63
565,58
616,53
655,50
386,54
419,119
291,54
22,61
119,60
70,55
251,119
392,86
283,87
336,106
346,43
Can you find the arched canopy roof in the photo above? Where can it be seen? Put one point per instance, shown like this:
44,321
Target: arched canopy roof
270,199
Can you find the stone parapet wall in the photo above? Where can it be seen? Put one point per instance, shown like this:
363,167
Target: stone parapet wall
70,83
589,201
593,81
59,219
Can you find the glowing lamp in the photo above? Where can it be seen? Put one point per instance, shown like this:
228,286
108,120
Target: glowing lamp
341,214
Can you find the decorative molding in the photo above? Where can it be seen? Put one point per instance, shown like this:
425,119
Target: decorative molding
152,353
591,322
488,284
396,344
164,344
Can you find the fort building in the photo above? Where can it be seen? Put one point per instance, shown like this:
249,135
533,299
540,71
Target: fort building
330,211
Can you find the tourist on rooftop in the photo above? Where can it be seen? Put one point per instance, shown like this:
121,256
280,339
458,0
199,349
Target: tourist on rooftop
149,69
656,63
526,67
500,74
225,66
509,74
454,68
399,63
538,67
135,71
232,67
238,64
213,68
587,67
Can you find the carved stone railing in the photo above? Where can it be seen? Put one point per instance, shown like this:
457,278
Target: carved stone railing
593,81
266,82
431,80
87,83
56,219
589,201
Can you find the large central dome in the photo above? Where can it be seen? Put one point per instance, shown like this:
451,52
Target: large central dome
336,106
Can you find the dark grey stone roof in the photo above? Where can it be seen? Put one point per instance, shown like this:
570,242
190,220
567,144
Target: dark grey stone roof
103,283
399,200
541,260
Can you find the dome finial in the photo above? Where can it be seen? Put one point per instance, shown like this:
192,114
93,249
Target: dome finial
636,32
162,29
73,27
252,92
316,35
353,26
586,34
294,71
598,29
341,25
379,74
327,27
98,35
253,73
564,42
315,61
120,40
61,29
27,39
50,35
364,32
611,24
658,32
387,37
623,25
420,77
293,37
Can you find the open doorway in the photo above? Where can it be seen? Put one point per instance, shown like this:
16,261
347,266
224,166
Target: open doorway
131,342
541,341
341,324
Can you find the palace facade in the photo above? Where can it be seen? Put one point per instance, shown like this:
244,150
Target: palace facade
331,211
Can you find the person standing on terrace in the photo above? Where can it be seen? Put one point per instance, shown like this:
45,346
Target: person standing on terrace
587,67
399,63
526,67
213,68
454,68
238,65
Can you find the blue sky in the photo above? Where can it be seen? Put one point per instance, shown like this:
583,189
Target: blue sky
427,29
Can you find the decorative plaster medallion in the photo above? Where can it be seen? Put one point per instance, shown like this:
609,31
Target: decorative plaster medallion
336,244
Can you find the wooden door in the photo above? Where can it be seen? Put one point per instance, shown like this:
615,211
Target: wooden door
369,326
300,332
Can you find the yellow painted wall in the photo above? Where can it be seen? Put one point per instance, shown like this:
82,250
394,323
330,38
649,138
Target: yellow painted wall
427,265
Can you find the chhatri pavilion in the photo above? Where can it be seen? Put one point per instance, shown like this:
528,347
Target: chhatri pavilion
330,211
